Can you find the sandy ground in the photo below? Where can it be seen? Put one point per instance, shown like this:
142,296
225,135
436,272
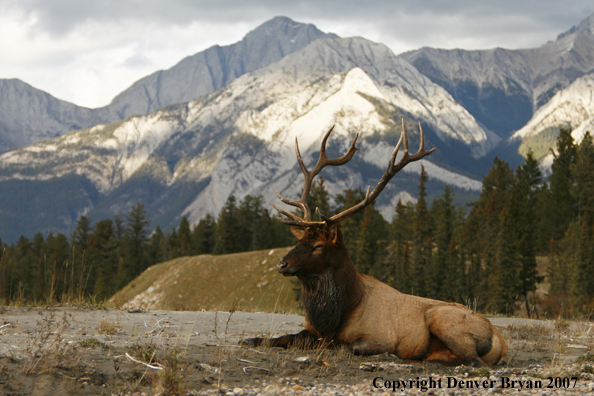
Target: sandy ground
81,351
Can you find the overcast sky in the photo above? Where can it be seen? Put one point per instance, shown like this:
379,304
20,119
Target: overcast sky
86,52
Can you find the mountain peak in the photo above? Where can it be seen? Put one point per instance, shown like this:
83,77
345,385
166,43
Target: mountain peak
585,26
284,27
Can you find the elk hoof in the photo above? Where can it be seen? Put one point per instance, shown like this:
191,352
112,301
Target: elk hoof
252,342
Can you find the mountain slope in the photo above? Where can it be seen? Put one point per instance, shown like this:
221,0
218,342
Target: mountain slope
502,88
188,158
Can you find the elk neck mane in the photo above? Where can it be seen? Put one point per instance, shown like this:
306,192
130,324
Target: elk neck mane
329,297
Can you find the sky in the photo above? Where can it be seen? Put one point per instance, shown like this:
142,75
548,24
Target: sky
86,52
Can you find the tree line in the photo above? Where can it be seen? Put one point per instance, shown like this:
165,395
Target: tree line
483,254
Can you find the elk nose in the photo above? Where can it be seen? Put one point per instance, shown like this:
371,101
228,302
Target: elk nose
281,265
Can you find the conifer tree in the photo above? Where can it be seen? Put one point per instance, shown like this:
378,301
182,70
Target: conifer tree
227,237
422,241
184,237
364,254
397,261
135,260
249,217
446,276
503,276
485,222
103,259
582,177
560,205
173,248
203,235
157,247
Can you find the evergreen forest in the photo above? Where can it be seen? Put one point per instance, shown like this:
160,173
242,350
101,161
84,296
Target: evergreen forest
526,246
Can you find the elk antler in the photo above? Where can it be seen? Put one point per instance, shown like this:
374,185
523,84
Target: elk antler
305,221
393,168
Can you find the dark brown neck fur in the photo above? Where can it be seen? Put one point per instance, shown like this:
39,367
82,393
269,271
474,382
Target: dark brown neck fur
330,297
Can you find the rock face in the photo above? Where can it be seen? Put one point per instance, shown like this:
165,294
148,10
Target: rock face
503,88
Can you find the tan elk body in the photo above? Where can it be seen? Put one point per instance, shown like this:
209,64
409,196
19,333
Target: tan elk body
345,307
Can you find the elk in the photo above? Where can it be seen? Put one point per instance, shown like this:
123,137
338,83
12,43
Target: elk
344,307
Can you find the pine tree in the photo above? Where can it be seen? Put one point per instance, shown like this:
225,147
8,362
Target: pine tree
157,247
227,236
397,261
503,277
364,254
135,260
422,241
249,216
184,237
446,276
103,259
203,235
582,177
560,205
484,224
562,270
173,247
526,214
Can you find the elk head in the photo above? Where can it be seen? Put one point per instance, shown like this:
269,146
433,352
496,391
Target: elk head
318,250
320,244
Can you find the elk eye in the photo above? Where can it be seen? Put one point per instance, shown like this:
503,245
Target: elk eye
318,246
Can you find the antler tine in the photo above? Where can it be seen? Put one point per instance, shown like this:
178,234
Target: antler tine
393,168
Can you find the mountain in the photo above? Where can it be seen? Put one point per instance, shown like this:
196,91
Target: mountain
28,115
186,159
503,88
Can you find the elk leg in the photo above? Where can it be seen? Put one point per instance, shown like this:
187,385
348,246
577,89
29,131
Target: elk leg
364,346
304,339
461,333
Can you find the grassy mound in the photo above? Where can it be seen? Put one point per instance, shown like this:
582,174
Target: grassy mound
245,281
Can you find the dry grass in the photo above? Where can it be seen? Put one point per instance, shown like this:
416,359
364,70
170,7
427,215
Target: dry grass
107,327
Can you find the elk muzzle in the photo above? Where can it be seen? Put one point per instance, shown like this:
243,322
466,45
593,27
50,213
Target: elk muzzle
283,268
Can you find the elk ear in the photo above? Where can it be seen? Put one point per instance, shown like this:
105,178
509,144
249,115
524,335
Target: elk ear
335,236
298,232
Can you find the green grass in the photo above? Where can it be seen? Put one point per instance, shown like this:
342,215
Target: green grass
245,281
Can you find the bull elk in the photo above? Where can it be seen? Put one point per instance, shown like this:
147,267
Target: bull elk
370,317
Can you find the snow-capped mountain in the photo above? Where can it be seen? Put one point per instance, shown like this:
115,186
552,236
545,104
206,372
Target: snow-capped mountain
502,88
186,159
